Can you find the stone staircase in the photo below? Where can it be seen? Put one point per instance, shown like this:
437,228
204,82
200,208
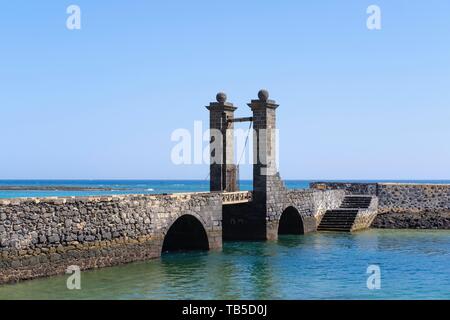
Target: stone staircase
345,217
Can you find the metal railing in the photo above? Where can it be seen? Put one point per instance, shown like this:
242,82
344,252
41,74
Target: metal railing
236,197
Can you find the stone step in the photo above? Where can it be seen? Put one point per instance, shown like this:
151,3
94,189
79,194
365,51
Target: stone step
354,207
347,216
339,216
342,212
334,229
356,202
343,218
336,220
336,226
357,198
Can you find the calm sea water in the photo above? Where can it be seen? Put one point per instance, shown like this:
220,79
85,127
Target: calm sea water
137,186
413,264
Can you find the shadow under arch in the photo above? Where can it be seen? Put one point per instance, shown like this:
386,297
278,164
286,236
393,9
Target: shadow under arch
291,222
186,233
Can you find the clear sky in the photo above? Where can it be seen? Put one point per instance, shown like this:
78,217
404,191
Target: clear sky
102,102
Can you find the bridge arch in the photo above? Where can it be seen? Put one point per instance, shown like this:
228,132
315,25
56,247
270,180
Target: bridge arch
291,222
186,232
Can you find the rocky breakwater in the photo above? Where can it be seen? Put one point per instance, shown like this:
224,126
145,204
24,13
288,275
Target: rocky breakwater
42,237
413,206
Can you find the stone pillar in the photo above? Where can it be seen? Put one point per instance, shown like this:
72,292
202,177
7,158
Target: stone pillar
264,140
223,173
268,189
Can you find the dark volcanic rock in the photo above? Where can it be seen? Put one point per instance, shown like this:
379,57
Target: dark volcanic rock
423,220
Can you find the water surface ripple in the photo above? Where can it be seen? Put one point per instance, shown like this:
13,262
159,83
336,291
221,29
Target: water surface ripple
414,265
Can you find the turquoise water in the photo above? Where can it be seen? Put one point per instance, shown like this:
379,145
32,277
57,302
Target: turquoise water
413,264
137,186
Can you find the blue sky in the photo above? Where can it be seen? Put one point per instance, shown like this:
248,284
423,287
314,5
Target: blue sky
102,102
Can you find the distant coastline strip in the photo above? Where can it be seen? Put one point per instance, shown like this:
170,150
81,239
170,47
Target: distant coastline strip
57,188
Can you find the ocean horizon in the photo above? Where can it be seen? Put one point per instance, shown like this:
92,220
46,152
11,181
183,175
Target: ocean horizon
26,188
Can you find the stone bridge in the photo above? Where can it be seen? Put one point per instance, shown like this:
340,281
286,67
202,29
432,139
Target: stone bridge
42,237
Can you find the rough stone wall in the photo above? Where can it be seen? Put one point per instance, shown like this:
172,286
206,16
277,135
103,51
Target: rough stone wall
326,200
275,204
423,220
365,217
312,204
355,188
42,237
413,206
413,198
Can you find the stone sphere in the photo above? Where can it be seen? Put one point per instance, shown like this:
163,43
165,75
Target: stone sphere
221,97
263,95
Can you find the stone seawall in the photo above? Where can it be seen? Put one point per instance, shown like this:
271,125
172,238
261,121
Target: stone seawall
413,198
42,237
355,188
403,205
418,206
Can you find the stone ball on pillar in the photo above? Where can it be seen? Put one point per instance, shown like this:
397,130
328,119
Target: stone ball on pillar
263,95
221,97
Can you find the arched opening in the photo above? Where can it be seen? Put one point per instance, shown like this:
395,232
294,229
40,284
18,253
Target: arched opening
290,222
186,233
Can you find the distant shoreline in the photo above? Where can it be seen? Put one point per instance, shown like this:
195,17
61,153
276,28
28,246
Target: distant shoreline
56,188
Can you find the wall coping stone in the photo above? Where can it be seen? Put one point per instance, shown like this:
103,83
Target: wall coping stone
109,198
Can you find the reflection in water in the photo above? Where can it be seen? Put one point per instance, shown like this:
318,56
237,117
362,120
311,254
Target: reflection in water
414,264
222,286
260,277
291,241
